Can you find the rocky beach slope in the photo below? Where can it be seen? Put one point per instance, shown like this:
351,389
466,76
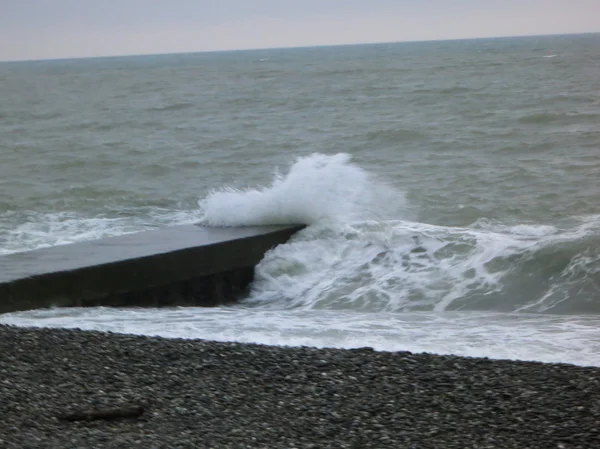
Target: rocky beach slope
74,389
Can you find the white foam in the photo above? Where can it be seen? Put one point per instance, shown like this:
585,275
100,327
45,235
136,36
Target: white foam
400,266
316,188
543,338
394,266
526,230
39,229
351,259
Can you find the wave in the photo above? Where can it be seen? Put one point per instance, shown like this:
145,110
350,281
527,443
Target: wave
28,230
317,188
543,117
357,255
565,118
392,135
177,106
399,266
352,257
445,90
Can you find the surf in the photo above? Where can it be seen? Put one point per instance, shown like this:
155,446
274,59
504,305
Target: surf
316,188
360,253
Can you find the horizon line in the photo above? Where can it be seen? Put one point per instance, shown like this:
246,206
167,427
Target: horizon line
291,47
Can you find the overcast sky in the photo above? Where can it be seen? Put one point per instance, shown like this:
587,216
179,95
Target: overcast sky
41,29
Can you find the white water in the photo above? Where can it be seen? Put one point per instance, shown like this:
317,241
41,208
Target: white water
399,266
60,228
356,278
316,189
544,338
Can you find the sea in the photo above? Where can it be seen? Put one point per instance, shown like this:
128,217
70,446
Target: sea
451,189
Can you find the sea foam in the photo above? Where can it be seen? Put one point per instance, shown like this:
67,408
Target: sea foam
317,188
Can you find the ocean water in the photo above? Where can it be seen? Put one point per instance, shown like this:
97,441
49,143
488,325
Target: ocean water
452,189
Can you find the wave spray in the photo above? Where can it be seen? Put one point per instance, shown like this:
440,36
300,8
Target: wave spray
317,188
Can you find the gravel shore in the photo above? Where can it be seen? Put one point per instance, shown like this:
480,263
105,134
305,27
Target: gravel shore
202,394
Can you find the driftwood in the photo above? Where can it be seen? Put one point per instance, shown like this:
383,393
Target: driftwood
126,411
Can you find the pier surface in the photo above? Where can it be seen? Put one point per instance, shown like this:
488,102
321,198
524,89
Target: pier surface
180,265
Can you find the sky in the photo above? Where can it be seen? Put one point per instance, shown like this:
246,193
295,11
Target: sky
47,29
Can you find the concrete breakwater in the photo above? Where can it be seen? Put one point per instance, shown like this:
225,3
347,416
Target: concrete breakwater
180,265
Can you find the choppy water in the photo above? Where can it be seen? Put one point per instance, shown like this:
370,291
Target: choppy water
452,188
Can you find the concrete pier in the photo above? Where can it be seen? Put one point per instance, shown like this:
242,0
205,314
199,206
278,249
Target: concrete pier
180,265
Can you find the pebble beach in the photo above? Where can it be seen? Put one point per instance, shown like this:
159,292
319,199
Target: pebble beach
204,394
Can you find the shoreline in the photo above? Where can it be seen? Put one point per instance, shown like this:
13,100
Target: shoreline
198,393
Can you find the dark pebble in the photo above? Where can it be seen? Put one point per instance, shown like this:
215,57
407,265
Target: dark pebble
202,394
